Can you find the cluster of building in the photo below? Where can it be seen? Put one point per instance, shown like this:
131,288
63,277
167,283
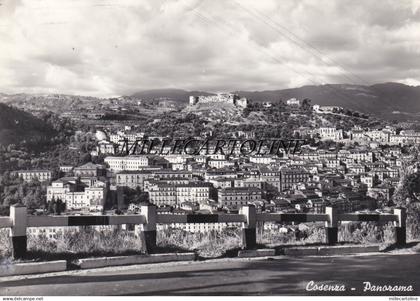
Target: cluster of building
352,179
83,188
365,136
357,177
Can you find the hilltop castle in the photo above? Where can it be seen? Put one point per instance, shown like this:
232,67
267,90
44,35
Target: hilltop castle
224,98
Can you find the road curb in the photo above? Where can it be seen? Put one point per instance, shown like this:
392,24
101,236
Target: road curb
88,263
256,253
328,250
32,268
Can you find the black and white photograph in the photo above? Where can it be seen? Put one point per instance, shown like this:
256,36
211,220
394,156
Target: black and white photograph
162,148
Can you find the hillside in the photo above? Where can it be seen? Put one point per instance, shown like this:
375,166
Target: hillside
380,99
389,100
17,126
57,103
223,112
227,120
386,100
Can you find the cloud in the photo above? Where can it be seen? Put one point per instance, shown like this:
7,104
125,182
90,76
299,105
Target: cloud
109,47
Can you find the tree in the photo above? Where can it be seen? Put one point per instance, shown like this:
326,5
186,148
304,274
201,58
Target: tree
51,205
306,104
59,207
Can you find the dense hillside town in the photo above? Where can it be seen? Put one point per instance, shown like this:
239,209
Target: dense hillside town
347,159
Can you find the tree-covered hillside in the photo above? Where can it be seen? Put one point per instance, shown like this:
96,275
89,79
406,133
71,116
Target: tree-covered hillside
19,127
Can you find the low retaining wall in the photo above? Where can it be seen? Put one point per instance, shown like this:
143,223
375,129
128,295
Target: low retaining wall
32,268
89,263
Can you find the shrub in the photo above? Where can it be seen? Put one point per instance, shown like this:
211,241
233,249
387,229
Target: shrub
366,233
4,244
413,222
208,244
87,241
314,234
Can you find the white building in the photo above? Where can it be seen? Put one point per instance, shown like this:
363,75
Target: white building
78,195
126,163
193,192
90,199
215,163
293,102
368,180
165,194
378,136
66,168
328,133
105,147
362,156
30,175
262,159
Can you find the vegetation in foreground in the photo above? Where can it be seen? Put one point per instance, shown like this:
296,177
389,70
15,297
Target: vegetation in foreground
88,242
210,244
4,244
73,244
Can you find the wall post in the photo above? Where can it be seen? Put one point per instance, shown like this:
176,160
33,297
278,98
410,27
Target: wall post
18,239
331,228
148,230
249,231
400,229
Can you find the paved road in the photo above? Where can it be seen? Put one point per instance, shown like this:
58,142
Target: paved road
275,276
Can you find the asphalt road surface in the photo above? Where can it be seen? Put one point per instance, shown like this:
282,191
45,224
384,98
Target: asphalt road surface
272,276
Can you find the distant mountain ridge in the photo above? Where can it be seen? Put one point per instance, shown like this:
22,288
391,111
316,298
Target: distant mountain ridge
379,99
389,100
375,99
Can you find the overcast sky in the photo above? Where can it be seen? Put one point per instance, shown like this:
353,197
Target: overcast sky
118,47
